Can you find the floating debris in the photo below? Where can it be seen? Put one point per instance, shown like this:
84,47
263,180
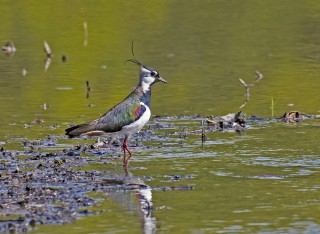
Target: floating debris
64,58
170,55
24,72
27,126
231,121
203,137
37,121
45,106
88,89
211,122
229,117
247,92
64,88
9,49
47,49
239,122
179,177
47,63
273,104
294,116
49,56
88,86
239,119
85,29
259,76
183,133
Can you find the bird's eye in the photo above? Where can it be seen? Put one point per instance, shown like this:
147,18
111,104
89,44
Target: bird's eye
153,73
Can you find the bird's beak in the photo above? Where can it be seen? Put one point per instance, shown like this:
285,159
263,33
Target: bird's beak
162,80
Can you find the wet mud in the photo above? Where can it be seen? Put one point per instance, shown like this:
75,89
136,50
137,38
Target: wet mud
41,187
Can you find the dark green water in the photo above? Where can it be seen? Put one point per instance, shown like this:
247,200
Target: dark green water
264,181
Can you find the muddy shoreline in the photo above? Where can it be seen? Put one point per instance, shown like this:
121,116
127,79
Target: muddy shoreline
41,187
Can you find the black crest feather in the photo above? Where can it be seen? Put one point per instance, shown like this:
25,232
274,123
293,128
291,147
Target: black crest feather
134,60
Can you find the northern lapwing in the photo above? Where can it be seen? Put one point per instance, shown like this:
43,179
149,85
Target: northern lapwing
127,117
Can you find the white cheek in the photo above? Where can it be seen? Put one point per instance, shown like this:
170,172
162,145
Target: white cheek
146,82
149,79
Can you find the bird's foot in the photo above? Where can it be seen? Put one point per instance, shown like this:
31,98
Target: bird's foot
125,163
125,160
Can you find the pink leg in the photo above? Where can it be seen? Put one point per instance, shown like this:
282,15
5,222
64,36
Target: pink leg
126,149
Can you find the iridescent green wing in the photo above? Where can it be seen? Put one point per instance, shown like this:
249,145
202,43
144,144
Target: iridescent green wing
121,115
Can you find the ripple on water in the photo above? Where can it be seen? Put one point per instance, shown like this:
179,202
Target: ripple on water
263,176
310,161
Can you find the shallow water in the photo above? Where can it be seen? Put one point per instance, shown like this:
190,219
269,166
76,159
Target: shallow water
262,181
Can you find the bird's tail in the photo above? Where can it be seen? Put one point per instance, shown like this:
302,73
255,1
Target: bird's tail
80,129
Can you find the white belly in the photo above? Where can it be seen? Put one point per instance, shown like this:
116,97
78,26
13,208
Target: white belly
138,125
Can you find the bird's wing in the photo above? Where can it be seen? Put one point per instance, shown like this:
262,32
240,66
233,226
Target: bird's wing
121,115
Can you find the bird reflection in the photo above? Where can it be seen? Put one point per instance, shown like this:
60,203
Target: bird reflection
137,198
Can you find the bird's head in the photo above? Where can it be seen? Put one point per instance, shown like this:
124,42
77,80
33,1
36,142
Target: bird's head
148,75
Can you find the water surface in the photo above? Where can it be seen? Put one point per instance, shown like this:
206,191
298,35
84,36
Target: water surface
263,181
